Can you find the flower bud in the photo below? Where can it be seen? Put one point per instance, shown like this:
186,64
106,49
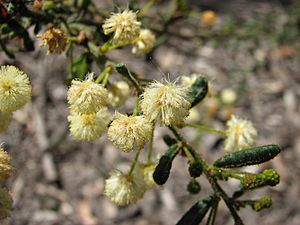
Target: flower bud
194,187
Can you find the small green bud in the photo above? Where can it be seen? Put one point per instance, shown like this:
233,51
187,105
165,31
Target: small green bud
263,203
198,90
270,176
162,170
194,187
195,168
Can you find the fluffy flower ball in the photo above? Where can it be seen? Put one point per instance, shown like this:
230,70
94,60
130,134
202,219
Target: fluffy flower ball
240,134
125,189
88,127
129,132
168,103
87,96
5,119
15,89
148,170
55,39
124,25
118,93
144,43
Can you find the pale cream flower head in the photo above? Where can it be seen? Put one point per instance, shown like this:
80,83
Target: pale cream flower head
228,96
124,25
123,189
144,43
148,170
15,88
166,102
88,127
87,96
5,167
55,39
118,93
240,134
5,119
129,132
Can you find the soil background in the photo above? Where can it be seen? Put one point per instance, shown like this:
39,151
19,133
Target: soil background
59,181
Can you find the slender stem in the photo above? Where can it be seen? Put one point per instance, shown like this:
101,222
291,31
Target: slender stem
134,162
104,74
205,128
136,108
215,186
212,214
150,146
105,80
188,154
229,203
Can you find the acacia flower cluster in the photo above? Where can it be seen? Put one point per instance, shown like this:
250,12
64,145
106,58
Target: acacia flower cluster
166,102
124,25
89,115
15,92
124,189
129,132
240,134
144,43
126,29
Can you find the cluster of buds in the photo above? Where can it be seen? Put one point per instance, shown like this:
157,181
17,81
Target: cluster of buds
15,92
89,115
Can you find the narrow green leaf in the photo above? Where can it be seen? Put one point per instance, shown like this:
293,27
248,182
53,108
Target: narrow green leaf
196,213
249,156
162,170
198,90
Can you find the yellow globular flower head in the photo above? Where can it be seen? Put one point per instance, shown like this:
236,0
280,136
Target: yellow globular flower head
123,189
88,127
5,167
148,170
129,132
240,134
55,39
87,96
118,93
124,25
5,119
144,43
208,18
15,88
168,103
6,203
228,96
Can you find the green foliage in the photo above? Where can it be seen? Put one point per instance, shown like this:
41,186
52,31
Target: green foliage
247,157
